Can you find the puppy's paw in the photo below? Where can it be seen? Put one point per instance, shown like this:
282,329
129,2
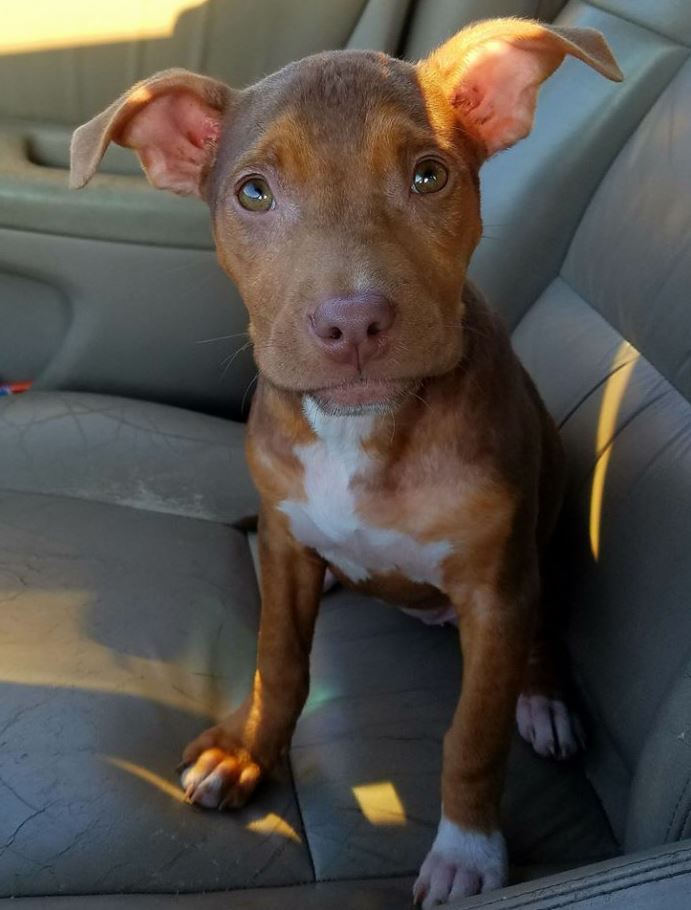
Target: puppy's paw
461,863
549,726
216,774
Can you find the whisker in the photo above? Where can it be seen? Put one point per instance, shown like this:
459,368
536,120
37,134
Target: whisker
247,390
392,415
229,360
420,398
221,338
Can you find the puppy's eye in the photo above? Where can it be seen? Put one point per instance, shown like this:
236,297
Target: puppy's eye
255,195
430,176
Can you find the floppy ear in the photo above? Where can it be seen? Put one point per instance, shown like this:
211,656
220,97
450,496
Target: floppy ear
491,72
172,121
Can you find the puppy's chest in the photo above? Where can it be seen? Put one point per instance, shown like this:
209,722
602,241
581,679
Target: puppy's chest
338,491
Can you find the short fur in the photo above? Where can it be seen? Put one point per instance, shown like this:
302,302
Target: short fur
446,478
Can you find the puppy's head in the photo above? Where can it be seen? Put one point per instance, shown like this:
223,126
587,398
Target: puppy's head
344,193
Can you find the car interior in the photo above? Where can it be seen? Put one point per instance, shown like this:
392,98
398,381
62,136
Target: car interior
129,601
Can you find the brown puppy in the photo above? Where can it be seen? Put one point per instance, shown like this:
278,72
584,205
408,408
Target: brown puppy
394,436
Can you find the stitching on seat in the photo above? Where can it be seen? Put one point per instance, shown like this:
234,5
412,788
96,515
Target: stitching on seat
627,423
626,870
596,714
562,423
571,902
642,355
298,806
683,793
183,516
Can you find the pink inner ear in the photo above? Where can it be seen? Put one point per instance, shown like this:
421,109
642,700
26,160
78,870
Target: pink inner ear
175,137
498,90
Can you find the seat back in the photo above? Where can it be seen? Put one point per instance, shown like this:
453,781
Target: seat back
588,254
67,80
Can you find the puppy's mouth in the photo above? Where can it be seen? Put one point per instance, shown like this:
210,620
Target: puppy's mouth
363,396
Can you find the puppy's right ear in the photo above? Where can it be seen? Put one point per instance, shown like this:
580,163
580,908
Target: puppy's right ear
172,121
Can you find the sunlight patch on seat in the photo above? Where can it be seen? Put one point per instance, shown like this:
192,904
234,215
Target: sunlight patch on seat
71,659
274,824
614,391
380,804
149,777
77,23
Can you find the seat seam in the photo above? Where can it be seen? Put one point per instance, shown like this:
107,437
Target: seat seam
620,429
158,243
228,890
598,385
642,354
672,819
591,704
624,870
301,817
566,900
231,525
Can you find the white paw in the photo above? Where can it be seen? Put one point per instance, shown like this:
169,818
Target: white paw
549,726
461,863
218,779
206,788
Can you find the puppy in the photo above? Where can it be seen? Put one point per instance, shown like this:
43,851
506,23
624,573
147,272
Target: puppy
394,437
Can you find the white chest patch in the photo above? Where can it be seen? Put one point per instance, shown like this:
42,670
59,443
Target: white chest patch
327,520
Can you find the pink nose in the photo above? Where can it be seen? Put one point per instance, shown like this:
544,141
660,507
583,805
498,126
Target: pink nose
353,329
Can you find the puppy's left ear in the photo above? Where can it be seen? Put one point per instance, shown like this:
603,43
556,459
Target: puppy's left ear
491,72
172,120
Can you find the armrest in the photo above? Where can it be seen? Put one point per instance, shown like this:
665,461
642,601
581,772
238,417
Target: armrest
117,206
656,879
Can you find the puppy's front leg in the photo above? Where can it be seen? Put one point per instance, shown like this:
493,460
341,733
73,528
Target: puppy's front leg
469,855
225,763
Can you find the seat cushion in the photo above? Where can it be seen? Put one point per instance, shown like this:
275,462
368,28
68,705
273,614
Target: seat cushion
130,612
125,633
130,622
126,452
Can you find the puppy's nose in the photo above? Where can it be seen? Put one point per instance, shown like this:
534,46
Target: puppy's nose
353,329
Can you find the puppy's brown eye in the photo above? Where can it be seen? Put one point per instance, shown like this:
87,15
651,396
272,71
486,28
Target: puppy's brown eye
430,176
255,195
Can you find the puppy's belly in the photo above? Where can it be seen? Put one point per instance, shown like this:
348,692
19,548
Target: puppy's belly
395,588
360,553
421,601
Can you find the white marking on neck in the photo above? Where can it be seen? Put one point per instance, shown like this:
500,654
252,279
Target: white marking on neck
336,430
328,521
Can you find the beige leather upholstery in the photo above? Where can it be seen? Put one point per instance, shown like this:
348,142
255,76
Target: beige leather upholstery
127,453
608,343
655,880
132,604
134,610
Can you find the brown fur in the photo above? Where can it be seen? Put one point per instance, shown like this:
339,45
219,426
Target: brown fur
467,454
